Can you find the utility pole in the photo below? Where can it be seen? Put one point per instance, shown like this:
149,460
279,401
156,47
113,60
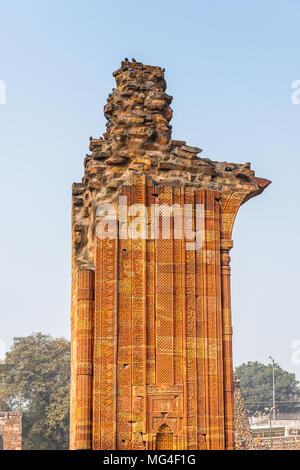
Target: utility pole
273,365
270,411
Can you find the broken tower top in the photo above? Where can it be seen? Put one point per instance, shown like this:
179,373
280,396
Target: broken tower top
138,139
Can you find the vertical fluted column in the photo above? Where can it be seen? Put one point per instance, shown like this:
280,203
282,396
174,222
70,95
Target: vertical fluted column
84,370
226,246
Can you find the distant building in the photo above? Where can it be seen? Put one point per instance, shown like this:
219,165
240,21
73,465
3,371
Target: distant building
10,431
285,425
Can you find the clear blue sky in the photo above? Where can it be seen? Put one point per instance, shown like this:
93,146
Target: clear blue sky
229,66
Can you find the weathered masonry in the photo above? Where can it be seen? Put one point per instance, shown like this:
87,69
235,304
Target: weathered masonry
151,316
10,431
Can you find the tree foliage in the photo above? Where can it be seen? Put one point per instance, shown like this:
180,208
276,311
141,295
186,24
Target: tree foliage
35,379
256,380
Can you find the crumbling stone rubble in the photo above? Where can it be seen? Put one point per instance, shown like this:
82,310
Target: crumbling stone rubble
138,139
243,436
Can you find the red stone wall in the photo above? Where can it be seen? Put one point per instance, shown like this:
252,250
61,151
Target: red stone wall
11,430
160,332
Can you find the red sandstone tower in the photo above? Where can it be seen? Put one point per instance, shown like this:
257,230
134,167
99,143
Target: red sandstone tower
151,316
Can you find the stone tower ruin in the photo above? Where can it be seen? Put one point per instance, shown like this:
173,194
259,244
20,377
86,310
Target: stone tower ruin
151,315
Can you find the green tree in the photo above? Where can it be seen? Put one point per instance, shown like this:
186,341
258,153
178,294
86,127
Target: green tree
256,381
35,379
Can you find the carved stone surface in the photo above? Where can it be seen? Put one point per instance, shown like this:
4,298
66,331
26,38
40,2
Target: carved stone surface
160,327
10,431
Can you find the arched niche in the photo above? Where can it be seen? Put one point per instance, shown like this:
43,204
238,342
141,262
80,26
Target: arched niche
164,438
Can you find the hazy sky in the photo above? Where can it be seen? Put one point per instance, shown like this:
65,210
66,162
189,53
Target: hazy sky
229,65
